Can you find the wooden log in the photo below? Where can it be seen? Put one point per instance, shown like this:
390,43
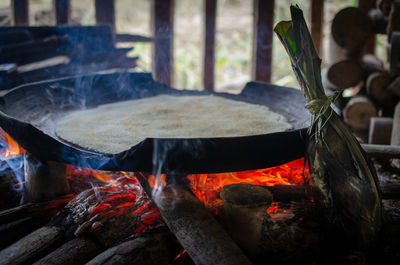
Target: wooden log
132,38
163,31
62,8
395,137
344,74
380,130
358,112
378,20
377,87
153,249
20,10
366,6
43,180
76,251
317,18
371,64
381,151
394,86
350,30
194,226
210,19
32,246
105,13
395,54
262,40
244,206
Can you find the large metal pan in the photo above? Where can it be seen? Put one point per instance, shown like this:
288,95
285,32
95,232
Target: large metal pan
29,112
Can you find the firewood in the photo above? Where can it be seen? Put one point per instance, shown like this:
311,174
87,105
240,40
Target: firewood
377,87
358,112
32,246
44,180
153,249
245,206
194,226
371,64
395,137
395,53
382,151
76,251
344,74
380,130
378,20
350,29
394,86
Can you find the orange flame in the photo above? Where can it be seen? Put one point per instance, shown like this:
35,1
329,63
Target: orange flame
207,186
11,149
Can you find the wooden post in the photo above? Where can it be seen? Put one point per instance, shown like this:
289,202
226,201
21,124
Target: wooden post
317,18
20,12
62,9
210,17
262,39
366,6
163,30
105,13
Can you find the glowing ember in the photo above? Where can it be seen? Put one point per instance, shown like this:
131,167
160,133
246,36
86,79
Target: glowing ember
207,186
9,148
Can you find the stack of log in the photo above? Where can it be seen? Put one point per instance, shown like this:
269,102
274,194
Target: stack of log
368,86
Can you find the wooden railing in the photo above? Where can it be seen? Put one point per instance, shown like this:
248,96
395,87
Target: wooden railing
162,17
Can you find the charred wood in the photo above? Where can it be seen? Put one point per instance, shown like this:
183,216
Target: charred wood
43,180
153,249
32,246
193,225
77,251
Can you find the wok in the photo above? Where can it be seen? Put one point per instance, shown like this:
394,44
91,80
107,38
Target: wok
29,113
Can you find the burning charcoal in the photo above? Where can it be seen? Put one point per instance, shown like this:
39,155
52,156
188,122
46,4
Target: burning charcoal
244,208
76,251
152,249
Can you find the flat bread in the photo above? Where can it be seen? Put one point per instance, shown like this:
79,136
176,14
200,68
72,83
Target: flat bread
116,127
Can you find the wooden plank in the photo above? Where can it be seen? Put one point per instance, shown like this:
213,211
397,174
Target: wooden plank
20,12
366,6
262,40
210,18
62,9
317,18
105,12
163,29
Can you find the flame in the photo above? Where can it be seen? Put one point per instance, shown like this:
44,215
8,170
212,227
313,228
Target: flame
10,148
207,186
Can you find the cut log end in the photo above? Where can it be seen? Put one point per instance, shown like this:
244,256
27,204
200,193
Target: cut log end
344,74
377,87
358,113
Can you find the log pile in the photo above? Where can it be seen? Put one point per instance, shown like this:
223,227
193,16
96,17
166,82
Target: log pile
366,86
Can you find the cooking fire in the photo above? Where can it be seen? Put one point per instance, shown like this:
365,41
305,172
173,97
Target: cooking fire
117,167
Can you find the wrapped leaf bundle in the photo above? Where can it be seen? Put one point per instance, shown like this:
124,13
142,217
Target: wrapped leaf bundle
338,165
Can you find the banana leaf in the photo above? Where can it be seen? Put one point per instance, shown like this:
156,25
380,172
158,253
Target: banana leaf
339,167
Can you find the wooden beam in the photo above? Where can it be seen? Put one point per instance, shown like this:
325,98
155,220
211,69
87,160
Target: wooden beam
366,6
20,12
210,18
317,18
62,9
163,30
105,13
262,39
